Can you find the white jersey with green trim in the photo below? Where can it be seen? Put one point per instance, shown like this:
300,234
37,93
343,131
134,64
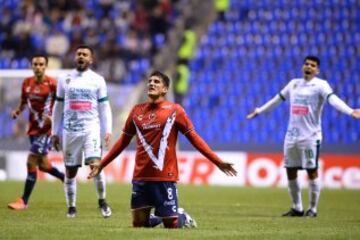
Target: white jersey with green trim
81,92
307,99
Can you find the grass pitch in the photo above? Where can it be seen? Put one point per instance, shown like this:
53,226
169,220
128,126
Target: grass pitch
221,213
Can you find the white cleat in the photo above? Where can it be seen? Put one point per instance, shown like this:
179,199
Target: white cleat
189,221
105,209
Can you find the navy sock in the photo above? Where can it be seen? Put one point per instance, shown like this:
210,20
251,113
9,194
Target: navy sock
29,185
56,173
154,221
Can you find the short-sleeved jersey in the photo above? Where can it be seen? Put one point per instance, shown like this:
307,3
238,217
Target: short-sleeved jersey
39,97
156,127
307,99
81,92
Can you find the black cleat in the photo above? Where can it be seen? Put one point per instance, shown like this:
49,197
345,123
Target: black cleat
310,213
293,213
71,212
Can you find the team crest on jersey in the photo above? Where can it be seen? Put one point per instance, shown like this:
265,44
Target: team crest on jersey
295,85
37,90
27,89
140,117
68,80
152,116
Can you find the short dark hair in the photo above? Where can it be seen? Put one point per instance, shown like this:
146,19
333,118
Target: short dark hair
313,58
162,76
39,55
86,47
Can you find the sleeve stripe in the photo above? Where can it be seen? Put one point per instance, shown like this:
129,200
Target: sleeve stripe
59,99
282,97
103,99
192,129
327,97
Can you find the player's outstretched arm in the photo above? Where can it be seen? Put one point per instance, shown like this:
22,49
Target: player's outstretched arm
118,147
252,114
356,113
201,145
266,107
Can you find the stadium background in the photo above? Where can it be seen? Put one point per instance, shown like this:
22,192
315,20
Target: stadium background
237,60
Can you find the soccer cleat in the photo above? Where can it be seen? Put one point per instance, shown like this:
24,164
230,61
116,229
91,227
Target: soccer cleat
154,220
19,204
104,208
189,221
293,213
310,213
71,212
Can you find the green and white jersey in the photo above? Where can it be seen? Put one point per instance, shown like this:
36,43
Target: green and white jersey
307,100
81,92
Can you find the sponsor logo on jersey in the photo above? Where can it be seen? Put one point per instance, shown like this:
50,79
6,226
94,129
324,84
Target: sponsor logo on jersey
80,105
299,110
166,107
150,126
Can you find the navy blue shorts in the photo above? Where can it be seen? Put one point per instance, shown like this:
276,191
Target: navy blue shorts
40,144
162,196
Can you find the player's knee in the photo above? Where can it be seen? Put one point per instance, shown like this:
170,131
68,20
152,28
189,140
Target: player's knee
170,222
31,168
313,174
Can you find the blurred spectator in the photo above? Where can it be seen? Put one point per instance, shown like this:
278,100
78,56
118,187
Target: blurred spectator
181,83
221,6
188,44
56,26
57,43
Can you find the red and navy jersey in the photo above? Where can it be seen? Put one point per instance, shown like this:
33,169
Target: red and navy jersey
39,97
156,126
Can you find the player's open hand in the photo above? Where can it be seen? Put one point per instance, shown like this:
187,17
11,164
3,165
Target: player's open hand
55,140
227,168
15,113
95,169
356,113
252,115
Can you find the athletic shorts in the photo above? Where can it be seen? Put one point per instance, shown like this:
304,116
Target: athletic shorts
76,146
302,155
40,144
162,196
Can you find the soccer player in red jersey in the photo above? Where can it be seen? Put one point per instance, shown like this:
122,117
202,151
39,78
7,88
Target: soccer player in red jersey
156,124
38,94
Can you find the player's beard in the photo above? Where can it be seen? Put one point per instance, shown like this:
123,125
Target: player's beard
82,66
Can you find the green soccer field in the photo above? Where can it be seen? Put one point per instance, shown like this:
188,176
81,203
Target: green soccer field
221,213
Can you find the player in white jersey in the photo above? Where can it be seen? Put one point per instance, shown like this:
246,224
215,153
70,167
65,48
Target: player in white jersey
307,97
82,106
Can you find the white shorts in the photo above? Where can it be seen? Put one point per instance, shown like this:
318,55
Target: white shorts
78,145
302,155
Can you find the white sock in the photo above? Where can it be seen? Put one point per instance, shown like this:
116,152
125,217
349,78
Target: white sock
295,194
100,184
70,191
314,194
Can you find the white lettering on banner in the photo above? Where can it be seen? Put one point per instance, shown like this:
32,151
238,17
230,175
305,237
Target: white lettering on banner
254,169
